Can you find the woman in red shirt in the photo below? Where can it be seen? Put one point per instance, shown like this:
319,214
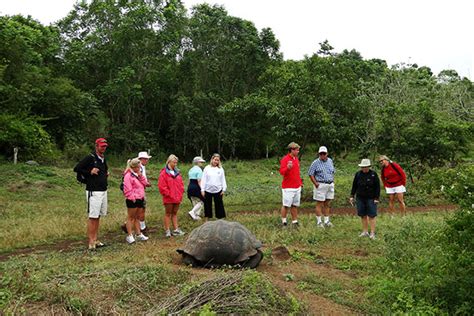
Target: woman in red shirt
394,181
171,186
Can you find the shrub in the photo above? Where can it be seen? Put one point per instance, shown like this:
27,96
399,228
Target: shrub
429,267
25,133
456,184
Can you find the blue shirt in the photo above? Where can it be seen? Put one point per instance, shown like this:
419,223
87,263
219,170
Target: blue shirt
195,173
323,171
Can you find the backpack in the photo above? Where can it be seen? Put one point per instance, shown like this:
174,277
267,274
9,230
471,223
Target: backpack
121,183
80,177
394,168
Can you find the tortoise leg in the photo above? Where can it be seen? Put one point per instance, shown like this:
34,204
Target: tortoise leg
189,260
253,261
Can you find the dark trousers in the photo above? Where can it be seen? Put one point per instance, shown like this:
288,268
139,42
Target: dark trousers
218,202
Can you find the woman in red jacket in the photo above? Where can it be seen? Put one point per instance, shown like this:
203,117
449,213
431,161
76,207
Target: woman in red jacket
394,180
171,186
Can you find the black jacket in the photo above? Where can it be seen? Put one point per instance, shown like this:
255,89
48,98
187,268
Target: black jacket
94,182
366,185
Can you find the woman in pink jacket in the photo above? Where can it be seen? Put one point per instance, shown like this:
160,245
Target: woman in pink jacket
171,186
134,184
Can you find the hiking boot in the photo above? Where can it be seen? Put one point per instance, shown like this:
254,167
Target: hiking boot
177,232
328,224
364,234
124,228
284,225
168,234
130,239
372,236
142,237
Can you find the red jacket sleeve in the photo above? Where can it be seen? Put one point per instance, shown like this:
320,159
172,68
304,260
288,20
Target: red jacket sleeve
402,172
283,166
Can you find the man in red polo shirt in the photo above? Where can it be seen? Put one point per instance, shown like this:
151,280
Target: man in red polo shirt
291,184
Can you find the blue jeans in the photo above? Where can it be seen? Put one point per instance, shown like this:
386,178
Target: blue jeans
366,207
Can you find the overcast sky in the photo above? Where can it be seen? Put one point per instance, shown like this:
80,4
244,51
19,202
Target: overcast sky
437,33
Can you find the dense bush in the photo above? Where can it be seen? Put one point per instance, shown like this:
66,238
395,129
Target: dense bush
456,184
27,134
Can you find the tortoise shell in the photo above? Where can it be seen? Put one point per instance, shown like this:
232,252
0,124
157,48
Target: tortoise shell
221,242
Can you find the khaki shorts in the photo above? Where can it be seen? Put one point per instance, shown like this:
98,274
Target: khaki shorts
324,192
291,197
96,203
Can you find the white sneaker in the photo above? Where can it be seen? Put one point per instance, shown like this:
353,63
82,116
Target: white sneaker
168,234
320,225
328,224
177,232
142,237
364,234
130,239
372,236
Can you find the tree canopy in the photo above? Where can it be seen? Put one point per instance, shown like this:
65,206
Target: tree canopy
152,75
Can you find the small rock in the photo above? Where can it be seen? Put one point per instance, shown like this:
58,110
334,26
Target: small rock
32,163
281,253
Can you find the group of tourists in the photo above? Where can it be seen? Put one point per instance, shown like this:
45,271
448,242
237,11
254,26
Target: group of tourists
205,186
209,184
365,188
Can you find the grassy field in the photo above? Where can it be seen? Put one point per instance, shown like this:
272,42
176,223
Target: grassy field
328,271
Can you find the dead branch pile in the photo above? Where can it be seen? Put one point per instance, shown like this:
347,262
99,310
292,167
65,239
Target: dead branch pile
226,294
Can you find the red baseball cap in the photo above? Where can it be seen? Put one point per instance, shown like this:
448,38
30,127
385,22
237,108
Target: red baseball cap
102,142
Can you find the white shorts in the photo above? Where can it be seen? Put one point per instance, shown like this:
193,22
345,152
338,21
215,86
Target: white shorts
399,189
323,192
96,203
291,197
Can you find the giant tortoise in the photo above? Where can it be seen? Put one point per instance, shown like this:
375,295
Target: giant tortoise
221,242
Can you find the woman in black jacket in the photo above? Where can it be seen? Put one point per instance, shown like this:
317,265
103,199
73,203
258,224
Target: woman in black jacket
366,188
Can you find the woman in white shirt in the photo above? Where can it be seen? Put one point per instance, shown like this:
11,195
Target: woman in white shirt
213,186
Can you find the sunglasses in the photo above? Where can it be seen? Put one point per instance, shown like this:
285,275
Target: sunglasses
323,154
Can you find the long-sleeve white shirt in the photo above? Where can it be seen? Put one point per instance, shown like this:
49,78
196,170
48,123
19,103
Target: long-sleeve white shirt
213,180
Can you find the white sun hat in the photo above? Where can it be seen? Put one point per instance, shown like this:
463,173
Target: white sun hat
365,163
143,154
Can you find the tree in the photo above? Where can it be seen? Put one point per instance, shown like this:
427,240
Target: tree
126,53
30,86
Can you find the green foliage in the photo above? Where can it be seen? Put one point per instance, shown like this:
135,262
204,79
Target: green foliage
146,75
27,134
415,133
429,267
455,183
